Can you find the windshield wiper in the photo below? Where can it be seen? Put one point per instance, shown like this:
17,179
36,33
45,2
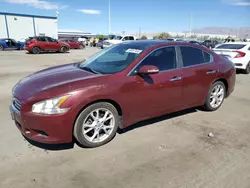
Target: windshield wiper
89,70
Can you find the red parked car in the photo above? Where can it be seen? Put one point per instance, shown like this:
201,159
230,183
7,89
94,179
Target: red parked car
117,87
40,44
74,44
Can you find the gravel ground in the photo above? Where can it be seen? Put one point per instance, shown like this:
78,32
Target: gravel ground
172,151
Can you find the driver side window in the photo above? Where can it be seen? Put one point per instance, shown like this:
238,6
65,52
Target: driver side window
163,58
50,39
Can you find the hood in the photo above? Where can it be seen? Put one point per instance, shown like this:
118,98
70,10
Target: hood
49,78
114,41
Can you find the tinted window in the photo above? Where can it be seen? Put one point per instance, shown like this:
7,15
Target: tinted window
193,56
164,59
50,39
207,57
231,46
41,39
249,48
125,38
131,38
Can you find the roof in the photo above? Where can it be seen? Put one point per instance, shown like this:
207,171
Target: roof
246,43
27,15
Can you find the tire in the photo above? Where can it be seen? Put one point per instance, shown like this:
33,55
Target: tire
36,50
1,47
84,117
81,47
63,49
208,106
247,70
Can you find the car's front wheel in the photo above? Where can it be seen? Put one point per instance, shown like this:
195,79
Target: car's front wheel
96,125
63,49
215,97
1,47
81,47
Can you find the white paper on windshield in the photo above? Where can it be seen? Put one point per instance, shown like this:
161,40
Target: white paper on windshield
135,51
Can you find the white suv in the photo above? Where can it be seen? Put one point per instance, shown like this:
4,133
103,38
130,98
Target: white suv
118,39
238,53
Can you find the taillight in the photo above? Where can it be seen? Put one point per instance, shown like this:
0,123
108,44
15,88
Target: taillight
239,54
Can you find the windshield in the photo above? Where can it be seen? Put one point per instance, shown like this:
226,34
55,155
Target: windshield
114,59
117,38
231,46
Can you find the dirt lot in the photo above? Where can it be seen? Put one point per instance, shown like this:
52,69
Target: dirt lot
171,151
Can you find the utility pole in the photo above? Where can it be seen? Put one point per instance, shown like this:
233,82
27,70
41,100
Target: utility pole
238,32
109,17
190,24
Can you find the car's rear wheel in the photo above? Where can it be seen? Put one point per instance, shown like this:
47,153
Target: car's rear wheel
81,47
96,125
36,50
63,49
1,47
215,97
247,70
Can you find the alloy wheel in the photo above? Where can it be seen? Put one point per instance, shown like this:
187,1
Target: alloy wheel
98,125
1,47
217,96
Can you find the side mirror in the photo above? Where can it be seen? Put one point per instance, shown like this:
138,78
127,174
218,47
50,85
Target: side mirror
148,69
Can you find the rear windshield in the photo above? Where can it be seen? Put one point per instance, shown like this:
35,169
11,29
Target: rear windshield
231,46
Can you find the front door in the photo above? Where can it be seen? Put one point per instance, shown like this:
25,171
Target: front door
199,72
155,94
52,44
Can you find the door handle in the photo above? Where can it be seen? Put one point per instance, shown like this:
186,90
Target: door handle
175,79
211,72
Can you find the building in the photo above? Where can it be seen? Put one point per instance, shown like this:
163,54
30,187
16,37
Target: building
63,33
22,26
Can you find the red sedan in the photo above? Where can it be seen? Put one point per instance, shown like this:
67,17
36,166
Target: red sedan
117,87
74,44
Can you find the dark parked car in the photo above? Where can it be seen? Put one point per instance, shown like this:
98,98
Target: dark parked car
8,43
117,87
210,43
74,44
39,44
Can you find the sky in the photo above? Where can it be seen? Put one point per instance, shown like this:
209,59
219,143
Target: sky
132,15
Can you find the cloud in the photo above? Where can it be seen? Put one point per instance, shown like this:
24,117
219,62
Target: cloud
238,2
90,11
39,4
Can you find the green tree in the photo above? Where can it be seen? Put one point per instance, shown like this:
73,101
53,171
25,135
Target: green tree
155,37
100,36
144,37
163,36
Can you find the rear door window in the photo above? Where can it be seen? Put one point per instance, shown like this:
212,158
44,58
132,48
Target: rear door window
193,56
131,38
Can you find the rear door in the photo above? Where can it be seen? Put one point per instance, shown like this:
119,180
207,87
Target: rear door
199,72
42,43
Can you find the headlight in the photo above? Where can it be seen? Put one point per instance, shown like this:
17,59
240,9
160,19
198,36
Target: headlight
50,106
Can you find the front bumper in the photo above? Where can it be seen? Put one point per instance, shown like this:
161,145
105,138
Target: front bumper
49,129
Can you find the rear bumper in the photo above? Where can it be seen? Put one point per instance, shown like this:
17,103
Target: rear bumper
240,64
44,129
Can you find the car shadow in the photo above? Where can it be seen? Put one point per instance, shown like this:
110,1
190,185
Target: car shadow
52,147
157,119
66,146
238,71
48,53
